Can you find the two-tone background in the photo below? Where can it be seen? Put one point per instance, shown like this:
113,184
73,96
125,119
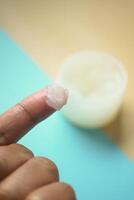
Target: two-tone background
50,30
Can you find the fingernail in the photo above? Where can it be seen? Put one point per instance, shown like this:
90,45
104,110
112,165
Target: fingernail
56,96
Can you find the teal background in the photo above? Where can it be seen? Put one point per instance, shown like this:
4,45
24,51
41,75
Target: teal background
86,159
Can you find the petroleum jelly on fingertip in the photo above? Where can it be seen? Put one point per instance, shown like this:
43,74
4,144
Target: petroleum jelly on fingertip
56,96
96,82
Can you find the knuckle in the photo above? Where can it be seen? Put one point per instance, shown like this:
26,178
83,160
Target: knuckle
22,107
67,190
50,165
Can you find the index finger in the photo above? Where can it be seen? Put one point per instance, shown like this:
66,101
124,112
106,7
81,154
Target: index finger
19,119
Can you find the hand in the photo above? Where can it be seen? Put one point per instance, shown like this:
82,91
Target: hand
23,176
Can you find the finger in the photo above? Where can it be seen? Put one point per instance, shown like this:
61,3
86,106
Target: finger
22,117
33,174
54,191
12,157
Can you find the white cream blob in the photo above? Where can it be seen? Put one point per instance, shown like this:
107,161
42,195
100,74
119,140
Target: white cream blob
56,96
96,83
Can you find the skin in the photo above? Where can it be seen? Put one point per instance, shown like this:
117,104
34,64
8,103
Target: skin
23,176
